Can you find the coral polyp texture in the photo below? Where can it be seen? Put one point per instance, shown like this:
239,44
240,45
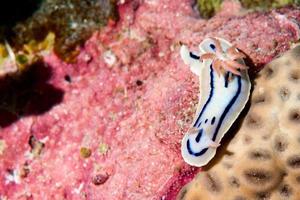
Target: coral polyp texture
262,161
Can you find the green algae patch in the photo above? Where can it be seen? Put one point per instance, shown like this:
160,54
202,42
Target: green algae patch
103,148
267,4
3,53
208,8
14,62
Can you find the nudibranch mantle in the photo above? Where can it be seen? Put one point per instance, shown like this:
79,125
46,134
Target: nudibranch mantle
222,98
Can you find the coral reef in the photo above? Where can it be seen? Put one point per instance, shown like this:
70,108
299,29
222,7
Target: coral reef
72,22
15,63
266,4
262,160
208,8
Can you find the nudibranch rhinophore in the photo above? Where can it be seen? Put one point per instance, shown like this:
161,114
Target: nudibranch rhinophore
224,92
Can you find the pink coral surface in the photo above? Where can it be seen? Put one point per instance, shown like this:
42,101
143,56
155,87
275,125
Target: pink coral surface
129,99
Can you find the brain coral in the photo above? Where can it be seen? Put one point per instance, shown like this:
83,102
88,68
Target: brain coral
262,161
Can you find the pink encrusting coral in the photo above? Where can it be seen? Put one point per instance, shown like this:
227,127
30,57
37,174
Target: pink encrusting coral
127,102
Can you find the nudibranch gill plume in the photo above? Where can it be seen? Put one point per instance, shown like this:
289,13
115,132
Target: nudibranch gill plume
224,91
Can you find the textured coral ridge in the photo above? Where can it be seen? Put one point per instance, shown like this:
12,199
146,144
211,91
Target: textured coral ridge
264,158
126,103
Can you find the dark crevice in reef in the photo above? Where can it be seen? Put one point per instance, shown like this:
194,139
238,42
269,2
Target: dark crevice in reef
71,21
15,11
27,94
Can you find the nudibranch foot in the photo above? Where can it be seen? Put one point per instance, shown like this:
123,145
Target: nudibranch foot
225,89
209,143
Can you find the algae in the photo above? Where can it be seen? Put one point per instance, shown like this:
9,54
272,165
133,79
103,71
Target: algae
267,4
207,8
85,152
71,21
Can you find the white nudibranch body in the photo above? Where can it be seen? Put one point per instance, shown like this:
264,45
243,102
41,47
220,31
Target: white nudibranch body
222,97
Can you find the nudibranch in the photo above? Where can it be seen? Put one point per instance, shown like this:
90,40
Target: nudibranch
224,91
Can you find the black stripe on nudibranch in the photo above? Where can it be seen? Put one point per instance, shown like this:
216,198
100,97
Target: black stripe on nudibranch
212,46
192,152
205,121
199,135
213,120
232,101
229,106
209,98
226,78
194,56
